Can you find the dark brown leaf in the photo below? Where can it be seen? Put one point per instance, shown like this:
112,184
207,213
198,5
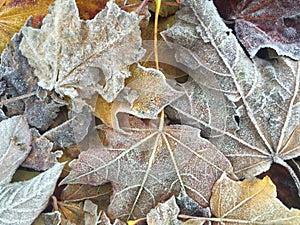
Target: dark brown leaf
265,23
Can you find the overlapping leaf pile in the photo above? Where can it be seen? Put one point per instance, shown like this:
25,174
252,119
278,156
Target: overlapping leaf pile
74,90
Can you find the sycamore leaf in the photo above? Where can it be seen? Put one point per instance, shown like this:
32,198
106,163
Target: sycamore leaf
22,202
80,58
252,201
148,164
14,146
256,100
263,23
146,93
14,13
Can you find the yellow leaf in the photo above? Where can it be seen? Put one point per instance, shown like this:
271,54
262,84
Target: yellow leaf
252,201
13,15
146,93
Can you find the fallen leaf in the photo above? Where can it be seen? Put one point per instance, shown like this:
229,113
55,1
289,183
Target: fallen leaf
14,13
52,218
148,164
71,213
251,107
41,156
265,24
81,58
22,202
252,201
145,94
14,146
71,131
166,213
78,192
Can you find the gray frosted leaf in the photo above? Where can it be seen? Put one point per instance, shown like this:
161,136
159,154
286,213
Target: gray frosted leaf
14,146
22,202
79,58
256,101
72,131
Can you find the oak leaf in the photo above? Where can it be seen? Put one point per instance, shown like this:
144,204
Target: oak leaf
81,58
145,94
249,107
265,24
14,13
252,201
148,164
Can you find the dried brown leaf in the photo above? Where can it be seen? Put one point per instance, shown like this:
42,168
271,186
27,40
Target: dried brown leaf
149,164
265,24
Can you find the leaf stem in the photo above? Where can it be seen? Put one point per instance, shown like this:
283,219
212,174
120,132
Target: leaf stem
7,101
157,10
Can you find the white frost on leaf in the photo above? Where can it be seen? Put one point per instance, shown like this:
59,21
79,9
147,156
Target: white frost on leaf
14,146
22,202
79,58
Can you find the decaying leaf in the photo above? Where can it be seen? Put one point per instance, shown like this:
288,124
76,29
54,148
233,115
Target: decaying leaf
71,131
252,201
22,202
52,218
80,58
78,192
264,23
258,99
41,156
166,213
14,146
148,164
146,93
14,13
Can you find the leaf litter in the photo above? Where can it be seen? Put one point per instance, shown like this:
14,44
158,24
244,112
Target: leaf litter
55,79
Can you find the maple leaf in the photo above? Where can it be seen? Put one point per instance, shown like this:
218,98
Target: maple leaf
260,24
257,101
146,93
22,202
80,58
148,164
236,202
14,13
14,146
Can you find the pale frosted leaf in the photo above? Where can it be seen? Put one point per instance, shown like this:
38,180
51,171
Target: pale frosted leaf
22,202
146,93
14,146
148,164
258,99
78,58
252,201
